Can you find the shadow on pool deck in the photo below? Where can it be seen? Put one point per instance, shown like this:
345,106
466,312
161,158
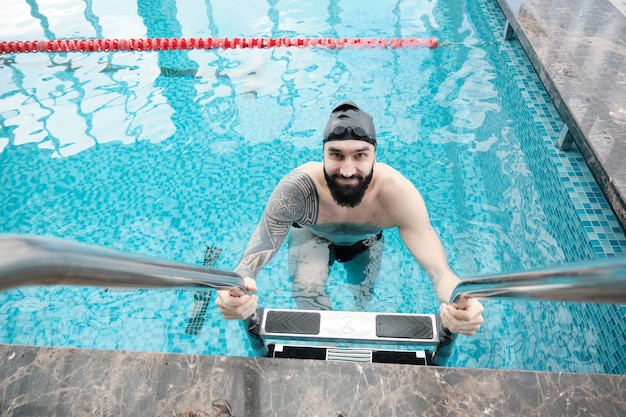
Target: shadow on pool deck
578,47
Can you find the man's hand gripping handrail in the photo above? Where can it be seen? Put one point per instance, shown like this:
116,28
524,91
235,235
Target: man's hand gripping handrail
595,281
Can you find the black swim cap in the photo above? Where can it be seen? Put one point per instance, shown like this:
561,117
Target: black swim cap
348,122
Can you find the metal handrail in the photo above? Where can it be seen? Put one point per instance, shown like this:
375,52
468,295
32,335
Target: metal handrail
596,281
34,260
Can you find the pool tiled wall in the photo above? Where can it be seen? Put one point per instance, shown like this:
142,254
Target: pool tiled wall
576,197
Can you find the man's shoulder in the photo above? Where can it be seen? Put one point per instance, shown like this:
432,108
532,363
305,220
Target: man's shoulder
311,168
390,176
393,188
309,172
387,169
300,182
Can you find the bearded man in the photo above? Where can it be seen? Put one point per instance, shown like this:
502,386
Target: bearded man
336,211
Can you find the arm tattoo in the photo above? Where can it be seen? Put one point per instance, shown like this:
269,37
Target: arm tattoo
295,200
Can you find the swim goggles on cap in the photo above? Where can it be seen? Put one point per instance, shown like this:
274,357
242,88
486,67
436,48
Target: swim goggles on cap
358,133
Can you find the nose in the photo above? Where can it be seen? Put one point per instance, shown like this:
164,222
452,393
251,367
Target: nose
347,169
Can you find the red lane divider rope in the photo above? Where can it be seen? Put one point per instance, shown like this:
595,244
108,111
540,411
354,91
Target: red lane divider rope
170,44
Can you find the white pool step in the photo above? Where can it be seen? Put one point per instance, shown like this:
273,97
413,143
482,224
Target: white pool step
349,326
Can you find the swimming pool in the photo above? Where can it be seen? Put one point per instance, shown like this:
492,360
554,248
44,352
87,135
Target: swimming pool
169,153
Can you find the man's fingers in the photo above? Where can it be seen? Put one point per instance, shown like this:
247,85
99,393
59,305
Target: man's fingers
463,302
463,321
248,283
236,292
236,307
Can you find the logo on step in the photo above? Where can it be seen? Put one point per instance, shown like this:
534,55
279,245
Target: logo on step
347,325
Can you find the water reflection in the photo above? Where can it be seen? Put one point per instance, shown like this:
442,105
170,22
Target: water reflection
130,97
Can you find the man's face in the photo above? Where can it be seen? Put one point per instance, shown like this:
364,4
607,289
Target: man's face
348,169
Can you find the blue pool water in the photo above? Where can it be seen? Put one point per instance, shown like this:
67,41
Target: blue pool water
169,153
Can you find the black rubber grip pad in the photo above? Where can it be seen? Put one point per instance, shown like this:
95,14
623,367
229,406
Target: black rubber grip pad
404,327
292,322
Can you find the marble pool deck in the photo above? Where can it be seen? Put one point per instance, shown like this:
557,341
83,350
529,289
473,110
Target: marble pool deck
75,382
578,48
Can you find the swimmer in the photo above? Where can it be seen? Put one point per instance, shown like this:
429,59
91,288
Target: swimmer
336,211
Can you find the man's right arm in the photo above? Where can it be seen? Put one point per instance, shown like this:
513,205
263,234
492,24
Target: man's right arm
294,200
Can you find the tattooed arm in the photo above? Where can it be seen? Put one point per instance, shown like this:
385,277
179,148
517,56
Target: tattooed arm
294,200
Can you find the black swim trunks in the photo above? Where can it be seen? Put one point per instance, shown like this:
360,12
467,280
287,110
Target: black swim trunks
341,253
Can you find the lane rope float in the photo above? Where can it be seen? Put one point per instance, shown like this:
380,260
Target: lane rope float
171,44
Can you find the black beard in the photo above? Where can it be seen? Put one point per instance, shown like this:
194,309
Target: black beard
348,195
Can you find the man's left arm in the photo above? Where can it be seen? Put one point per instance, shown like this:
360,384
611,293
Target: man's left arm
465,317
422,241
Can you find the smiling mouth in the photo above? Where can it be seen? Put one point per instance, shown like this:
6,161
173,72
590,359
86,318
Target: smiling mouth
348,180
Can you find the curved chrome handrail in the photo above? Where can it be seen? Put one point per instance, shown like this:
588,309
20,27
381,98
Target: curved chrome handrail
596,281
34,260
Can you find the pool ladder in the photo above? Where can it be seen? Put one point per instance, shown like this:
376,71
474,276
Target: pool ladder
31,260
